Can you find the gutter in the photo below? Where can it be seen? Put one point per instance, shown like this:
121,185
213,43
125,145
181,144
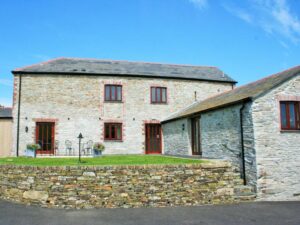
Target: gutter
19,109
243,174
6,118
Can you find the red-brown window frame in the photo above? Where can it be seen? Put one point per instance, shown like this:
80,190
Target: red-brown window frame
110,127
109,98
43,123
287,112
154,101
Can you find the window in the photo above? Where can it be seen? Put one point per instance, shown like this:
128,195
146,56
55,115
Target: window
112,131
113,93
290,115
158,95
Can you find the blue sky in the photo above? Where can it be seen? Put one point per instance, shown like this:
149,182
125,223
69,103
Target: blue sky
247,39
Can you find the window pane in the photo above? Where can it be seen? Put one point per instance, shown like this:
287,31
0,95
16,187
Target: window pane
153,95
119,93
119,132
113,131
107,96
164,95
283,115
113,93
158,94
292,115
106,131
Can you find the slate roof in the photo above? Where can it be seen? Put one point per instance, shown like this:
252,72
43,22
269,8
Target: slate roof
78,66
5,113
243,93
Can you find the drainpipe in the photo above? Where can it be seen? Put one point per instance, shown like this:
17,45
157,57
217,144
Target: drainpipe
243,174
19,107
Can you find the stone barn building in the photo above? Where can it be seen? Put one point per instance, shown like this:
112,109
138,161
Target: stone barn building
256,127
118,103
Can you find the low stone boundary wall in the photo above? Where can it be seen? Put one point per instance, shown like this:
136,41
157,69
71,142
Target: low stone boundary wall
119,186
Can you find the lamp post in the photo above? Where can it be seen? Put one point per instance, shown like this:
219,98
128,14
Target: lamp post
79,155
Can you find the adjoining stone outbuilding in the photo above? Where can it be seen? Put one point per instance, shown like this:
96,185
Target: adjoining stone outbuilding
6,122
256,127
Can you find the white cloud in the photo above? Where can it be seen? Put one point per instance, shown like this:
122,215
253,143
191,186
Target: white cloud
201,4
275,17
240,13
6,82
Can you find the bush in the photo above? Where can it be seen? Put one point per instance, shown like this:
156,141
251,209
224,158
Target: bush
99,147
33,146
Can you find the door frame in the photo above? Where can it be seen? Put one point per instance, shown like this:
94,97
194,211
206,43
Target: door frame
193,136
42,152
146,142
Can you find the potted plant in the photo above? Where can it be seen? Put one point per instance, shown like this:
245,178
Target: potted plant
31,149
98,148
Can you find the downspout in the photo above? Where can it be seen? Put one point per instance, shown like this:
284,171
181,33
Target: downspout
243,174
19,107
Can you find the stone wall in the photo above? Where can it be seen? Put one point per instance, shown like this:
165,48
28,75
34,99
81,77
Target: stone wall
277,151
76,104
221,138
176,138
119,186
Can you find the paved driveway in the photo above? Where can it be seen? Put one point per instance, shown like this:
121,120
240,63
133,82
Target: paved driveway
275,213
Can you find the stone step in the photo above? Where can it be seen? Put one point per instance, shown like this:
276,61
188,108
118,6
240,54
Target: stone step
244,193
243,189
245,197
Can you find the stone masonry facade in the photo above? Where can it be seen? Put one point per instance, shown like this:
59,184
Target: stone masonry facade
277,151
76,104
220,138
119,186
177,139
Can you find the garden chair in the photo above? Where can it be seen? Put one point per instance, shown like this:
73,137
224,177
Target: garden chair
89,147
69,149
56,144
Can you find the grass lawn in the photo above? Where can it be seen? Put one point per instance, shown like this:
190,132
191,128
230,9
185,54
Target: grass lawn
104,160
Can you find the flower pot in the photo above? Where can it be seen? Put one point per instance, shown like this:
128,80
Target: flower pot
30,153
97,153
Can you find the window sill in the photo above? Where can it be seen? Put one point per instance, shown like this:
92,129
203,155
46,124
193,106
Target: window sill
159,103
113,140
289,131
113,102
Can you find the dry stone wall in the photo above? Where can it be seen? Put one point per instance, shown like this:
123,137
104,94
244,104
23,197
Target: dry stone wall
119,186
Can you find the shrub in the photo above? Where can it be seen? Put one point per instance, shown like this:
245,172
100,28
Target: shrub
99,147
33,146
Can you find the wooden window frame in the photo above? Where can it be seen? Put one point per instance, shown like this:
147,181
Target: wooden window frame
42,151
287,112
154,101
109,98
110,136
